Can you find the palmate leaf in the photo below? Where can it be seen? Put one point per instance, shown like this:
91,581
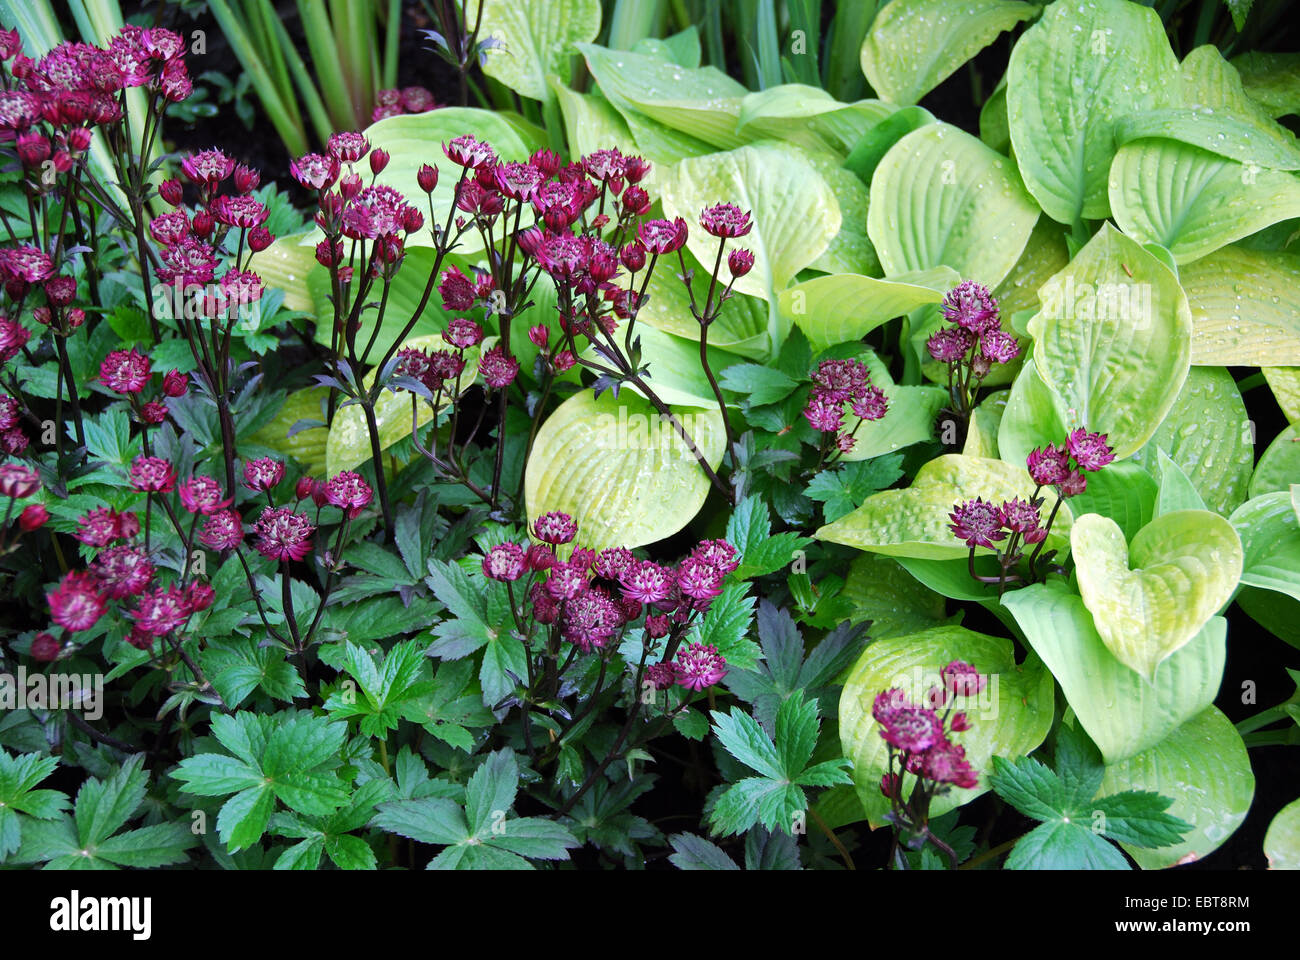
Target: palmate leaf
384,690
18,778
776,797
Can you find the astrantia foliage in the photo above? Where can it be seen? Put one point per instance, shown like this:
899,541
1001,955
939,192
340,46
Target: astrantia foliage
494,485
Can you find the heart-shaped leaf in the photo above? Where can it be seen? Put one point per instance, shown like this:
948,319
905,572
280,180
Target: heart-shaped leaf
1151,597
621,470
1072,76
809,117
1204,767
1122,712
1270,539
915,522
914,45
941,198
1008,719
1279,467
1113,340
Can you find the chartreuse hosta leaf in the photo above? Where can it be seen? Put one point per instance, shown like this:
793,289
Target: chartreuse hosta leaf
1151,597
809,117
1009,718
1245,307
307,446
1208,434
850,250
1125,492
911,416
1279,467
1031,418
1203,766
847,306
795,212
590,122
675,372
286,264
535,39
1122,712
982,431
1177,492
619,469
1270,537
1282,842
1211,110
1271,79
1192,201
915,522
703,103
349,441
1113,340
1285,384
914,45
941,198
1073,75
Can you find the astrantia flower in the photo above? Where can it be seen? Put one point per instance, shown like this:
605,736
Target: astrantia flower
999,346
192,261
315,171
223,530
152,475
1074,484
283,534
246,212
9,413
45,648
605,165
207,166
1019,516
170,228
970,305
349,492
348,146
719,554
699,666
13,337
823,412
662,236
612,561
386,208
946,762
100,527
444,366
468,152
949,344
698,579
33,517
841,379
872,405
122,571
725,220
911,729
1048,465
978,523
263,474
566,581
646,582
661,675
518,181
555,528
27,263
962,679
175,384
18,481
202,495
463,333
740,262
498,368
1090,450
76,604
160,611
456,289
590,619
504,562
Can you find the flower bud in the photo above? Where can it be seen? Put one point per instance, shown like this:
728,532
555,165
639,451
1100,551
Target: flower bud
79,139
378,160
175,384
33,517
259,238
246,179
45,648
633,256
171,191
427,178
33,149
740,262
540,335
203,224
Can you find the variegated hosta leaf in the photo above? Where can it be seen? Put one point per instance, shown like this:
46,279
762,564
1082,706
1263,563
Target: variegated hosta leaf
941,198
1072,77
1121,711
1285,384
1009,718
1152,597
1245,307
915,522
1203,766
914,45
1192,201
349,439
621,470
1113,340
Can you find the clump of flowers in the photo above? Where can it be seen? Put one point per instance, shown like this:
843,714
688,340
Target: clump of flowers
397,102
1009,527
972,344
920,741
837,384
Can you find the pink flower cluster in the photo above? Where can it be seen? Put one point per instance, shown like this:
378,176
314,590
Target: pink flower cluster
974,341
919,738
593,595
840,382
395,103
128,372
